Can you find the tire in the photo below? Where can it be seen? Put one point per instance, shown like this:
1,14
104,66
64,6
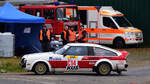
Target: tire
104,69
119,43
40,68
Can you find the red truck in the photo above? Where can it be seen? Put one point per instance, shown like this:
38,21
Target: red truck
56,16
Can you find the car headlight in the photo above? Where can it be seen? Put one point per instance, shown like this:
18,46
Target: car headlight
133,34
129,34
23,62
139,34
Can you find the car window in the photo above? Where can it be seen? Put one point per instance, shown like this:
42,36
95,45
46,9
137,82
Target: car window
109,23
103,52
60,51
90,51
77,51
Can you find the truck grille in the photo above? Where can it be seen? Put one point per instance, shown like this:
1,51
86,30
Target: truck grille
139,35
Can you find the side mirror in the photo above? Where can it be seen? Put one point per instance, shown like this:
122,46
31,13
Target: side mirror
64,54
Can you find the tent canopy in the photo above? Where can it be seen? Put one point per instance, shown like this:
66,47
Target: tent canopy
25,27
10,14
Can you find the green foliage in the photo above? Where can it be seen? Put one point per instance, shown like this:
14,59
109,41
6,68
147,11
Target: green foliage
138,57
10,65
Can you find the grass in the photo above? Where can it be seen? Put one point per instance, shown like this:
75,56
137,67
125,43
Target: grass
10,65
138,57
141,53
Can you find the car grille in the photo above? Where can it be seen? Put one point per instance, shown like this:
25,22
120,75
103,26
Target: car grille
23,63
139,35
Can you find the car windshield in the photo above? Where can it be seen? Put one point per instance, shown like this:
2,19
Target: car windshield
67,13
60,51
122,21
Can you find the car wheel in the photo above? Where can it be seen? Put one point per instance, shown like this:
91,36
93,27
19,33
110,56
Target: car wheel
104,69
40,69
119,43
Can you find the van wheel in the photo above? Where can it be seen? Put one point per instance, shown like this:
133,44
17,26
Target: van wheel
40,69
104,69
119,43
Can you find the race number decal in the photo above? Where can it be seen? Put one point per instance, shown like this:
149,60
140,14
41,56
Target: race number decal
72,64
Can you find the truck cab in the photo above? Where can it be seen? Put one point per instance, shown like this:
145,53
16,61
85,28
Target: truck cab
56,16
105,25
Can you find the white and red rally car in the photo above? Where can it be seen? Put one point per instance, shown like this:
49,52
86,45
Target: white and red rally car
76,57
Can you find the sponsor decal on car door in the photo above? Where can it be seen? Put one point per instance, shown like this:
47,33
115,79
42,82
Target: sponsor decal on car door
57,62
72,63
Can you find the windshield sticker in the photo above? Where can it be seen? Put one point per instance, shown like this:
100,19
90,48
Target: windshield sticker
72,57
72,65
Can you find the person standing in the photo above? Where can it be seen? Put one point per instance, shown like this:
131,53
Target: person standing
72,35
82,35
64,35
45,38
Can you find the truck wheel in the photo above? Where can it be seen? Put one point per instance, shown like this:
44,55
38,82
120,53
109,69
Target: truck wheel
104,69
40,69
119,43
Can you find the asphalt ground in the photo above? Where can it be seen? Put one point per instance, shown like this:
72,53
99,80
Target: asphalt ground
139,75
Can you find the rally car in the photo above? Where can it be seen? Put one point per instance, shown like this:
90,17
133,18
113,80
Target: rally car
76,57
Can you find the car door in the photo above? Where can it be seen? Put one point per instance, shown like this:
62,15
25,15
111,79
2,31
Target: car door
57,61
74,56
95,54
90,59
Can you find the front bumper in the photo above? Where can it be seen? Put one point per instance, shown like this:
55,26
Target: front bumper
135,41
23,63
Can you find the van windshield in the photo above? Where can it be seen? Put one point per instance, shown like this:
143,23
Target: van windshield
122,21
67,13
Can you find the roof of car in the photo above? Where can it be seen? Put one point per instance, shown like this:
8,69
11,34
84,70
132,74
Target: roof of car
92,45
83,44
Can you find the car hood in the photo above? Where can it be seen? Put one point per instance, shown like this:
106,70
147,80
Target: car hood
38,55
130,29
